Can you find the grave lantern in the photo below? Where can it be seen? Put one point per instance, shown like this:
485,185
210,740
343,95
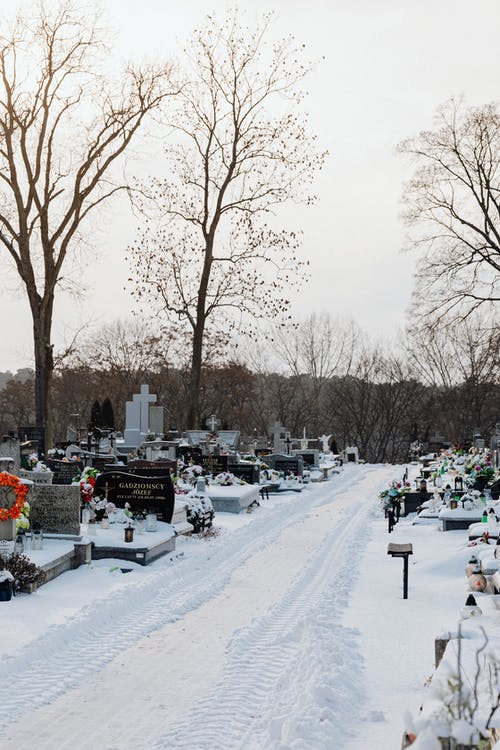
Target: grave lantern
492,520
470,565
20,543
471,608
477,581
129,533
105,521
36,536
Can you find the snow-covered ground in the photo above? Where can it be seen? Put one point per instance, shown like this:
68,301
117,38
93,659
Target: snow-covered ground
287,630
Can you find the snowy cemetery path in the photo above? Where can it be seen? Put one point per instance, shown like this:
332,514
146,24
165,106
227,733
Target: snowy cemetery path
249,640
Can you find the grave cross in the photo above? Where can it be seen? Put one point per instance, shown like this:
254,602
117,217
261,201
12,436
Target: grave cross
212,423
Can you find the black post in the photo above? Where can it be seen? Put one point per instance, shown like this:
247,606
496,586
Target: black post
404,551
405,577
391,522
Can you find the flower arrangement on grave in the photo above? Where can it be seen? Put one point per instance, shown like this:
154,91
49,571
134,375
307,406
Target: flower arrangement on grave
480,469
226,479
101,505
22,521
187,474
395,491
35,464
86,479
20,490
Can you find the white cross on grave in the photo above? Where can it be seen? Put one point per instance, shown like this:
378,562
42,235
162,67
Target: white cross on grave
137,416
212,423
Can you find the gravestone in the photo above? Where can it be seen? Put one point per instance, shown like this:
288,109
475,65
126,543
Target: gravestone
38,477
285,463
73,450
230,437
137,417
215,464
250,473
197,437
157,450
188,453
351,455
495,446
142,493
309,457
64,471
281,438
56,508
156,420
148,468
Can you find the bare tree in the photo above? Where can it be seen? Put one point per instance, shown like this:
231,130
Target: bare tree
62,127
460,361
453,203
216,258
128,349
319,347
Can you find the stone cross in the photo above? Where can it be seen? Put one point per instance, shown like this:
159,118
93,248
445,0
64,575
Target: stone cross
137,416
212,423
278,437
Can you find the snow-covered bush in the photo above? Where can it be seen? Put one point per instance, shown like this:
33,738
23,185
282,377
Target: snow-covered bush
198,506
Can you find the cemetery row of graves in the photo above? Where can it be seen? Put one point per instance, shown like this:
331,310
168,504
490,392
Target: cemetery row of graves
457,491
130,499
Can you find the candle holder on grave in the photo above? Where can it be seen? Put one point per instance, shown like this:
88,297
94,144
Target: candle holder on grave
151,522
36,536
139,521
129,533
20,543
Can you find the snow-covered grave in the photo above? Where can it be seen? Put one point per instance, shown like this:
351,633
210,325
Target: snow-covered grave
144,547
234,498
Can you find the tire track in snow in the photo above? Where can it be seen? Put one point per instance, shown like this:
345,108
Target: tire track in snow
270,696
59,660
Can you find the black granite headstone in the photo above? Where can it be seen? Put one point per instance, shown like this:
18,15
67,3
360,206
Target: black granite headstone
308,458
291,465
215,464
189,454
250,473
64,471
142,493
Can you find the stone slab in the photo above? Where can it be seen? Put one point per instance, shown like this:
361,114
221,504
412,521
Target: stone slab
144,549
232,499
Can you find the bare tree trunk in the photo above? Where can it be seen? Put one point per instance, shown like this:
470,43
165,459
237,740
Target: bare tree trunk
44,367
193,410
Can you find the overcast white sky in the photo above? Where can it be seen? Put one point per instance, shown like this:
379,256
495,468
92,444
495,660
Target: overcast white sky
388,65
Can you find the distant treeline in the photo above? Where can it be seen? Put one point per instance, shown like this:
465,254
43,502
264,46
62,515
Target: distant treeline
379,408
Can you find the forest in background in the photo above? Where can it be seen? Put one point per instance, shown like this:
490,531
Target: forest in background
322,376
